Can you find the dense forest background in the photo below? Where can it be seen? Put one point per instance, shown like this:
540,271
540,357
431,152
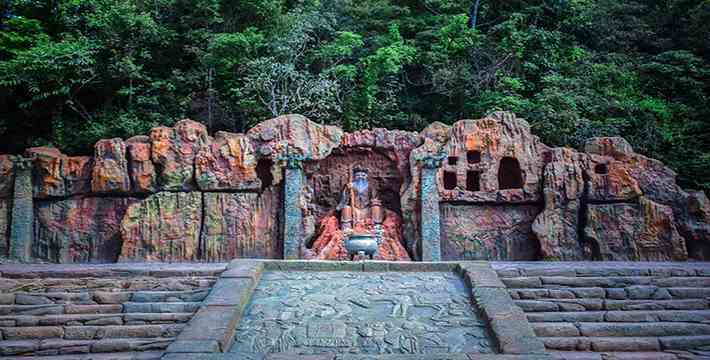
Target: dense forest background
74,71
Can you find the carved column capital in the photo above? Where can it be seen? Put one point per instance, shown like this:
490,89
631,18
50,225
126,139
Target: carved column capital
291,159
432,160
23,163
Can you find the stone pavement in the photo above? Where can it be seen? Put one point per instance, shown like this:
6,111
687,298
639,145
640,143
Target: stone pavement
273,309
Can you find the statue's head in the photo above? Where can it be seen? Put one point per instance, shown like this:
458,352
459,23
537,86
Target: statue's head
359,174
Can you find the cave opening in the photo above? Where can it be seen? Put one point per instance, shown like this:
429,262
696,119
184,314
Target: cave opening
601,169
449,180
263,172
473,156
473,181
509,174
453,160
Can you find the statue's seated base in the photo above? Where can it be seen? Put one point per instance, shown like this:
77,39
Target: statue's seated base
330,243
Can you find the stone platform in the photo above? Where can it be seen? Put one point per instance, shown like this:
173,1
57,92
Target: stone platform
318,310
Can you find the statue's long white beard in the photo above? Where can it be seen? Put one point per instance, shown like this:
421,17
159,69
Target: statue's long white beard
360,185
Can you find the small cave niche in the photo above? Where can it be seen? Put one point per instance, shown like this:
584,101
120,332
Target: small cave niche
473,181
509,174
473,156
601,169
449,180
453,160
263,171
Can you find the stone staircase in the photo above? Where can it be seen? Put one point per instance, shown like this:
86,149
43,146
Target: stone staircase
75,317
615,311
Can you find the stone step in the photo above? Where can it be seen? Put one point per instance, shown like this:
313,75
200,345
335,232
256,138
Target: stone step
95,319
602,344
549,305
53,285
698,316
586,355
91,332
123,331
634,329
634,292
161,307
170,296
525,282
25,298
54,347
141,355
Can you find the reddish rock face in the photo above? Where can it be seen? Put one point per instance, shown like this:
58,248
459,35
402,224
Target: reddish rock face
4,226
329,245
495,159
488,232
163,227
300,135
557,226
110,173
47,172
227,163
174,151
643,231
140,166
79,230
238,225
7,176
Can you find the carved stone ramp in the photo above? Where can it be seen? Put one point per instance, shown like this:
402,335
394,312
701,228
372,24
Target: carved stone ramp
615,310
275,309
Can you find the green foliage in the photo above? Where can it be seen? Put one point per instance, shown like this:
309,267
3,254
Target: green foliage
74,71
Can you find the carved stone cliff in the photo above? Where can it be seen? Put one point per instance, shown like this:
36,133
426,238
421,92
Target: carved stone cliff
179,194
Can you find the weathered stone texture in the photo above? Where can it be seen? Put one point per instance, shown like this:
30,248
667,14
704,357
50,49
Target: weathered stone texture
237,225
4,226
79,230
110,173
173,151
163,227
7,176
643,231
504,155
298,133
228,163
557,227
58,175
490,232
140,166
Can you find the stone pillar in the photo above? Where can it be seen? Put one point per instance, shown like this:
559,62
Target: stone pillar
430,216
292,212
21,231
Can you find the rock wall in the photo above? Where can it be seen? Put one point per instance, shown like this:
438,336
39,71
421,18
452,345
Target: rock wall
179,194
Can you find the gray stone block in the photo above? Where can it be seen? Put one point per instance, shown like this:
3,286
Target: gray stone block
194,346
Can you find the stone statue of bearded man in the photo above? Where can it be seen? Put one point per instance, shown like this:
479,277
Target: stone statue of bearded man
360,208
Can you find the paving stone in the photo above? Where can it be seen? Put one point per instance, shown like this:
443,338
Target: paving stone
7,299
522,282
555,329
111,297
515,336
531,294
697,281
631,316
561,294
216,323
18,347
606,282
291,356
124,345
602,344
194,346
589,293
640,291
92,309
31,309
161,307
643,329
616,294
230,291
583,316
479,275
156,318
684,342
27,299
689,304
575,355
31,333
560,343
689,292
537,305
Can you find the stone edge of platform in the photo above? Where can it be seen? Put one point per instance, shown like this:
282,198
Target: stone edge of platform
208,336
